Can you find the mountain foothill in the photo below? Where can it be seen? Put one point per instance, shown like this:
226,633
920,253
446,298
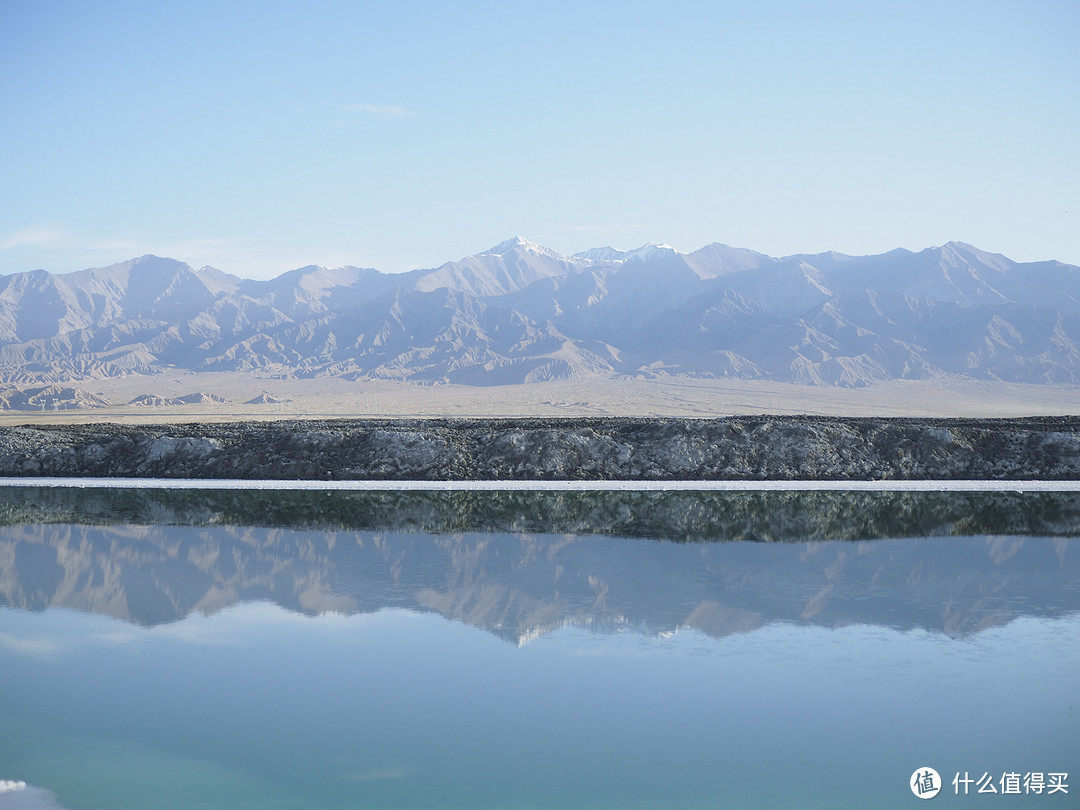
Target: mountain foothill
521,313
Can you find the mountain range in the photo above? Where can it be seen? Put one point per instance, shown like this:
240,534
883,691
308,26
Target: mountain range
520,313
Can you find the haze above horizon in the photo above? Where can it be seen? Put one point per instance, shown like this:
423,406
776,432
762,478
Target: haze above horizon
261,137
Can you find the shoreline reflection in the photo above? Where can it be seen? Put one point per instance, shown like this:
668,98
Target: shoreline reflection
681,516
521,585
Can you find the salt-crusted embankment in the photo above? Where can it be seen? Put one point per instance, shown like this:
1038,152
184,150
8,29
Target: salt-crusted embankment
737,448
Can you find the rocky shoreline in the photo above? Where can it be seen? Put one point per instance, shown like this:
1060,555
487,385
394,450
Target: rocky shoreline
632,449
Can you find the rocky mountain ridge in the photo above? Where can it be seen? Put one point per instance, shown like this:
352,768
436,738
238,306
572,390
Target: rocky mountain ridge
519,312
539,449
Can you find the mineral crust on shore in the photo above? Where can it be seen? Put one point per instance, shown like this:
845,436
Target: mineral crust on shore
632,449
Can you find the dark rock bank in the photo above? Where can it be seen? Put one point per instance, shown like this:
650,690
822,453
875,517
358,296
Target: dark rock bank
631,449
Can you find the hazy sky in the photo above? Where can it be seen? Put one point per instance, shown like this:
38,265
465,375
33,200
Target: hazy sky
258,137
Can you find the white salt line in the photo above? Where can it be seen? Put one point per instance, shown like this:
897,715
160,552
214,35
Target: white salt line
547,486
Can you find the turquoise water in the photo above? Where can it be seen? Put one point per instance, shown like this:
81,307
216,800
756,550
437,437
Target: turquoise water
206,663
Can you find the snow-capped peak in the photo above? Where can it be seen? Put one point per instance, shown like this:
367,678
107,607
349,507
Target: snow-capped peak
610,254
519,243
601,254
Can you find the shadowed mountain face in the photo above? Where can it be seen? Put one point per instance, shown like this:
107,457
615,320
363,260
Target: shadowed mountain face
522,313
521,564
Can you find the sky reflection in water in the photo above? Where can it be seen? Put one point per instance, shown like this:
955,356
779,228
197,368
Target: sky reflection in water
509,669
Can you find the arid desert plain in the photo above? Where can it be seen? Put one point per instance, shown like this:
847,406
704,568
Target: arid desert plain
323,398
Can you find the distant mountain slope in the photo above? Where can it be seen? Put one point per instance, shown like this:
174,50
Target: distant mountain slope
519,312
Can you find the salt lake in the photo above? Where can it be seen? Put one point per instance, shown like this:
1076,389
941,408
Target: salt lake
518,648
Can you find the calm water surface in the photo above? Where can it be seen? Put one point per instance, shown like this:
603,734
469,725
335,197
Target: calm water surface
494,650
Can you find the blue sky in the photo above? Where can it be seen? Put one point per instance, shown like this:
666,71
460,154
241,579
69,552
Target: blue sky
259,137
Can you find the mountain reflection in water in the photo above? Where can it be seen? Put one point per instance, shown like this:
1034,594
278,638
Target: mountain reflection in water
520,564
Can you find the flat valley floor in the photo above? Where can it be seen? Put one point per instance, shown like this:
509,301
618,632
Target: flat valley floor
322,398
